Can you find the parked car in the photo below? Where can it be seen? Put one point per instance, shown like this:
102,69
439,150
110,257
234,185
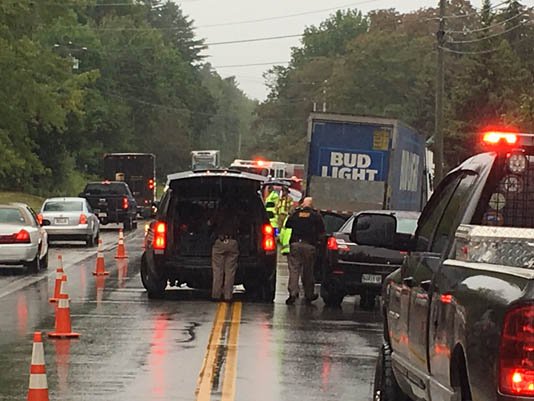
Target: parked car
112,202
178,243
354,269
70,219
23,241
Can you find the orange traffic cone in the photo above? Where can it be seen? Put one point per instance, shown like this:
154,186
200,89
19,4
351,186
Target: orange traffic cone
59,279
121,250
100,265
38,388
63,324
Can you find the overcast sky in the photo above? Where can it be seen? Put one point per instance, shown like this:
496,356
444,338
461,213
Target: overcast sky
216,12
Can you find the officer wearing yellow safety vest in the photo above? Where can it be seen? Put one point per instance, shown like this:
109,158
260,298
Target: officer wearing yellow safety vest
270,206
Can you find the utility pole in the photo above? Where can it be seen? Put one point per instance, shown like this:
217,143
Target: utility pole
440,90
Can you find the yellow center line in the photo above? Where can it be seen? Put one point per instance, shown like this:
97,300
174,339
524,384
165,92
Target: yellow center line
205,378
230,370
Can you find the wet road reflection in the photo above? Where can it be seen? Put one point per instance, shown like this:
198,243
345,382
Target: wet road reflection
132,348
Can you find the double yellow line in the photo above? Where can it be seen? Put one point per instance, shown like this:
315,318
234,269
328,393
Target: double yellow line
222,346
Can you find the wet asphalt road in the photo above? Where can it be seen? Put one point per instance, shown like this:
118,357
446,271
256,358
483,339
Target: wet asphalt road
183,347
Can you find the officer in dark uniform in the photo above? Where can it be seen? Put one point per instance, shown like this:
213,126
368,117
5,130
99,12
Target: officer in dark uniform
224,253
308,229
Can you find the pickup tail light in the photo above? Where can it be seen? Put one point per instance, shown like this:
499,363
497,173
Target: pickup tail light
268,241
83,219
151,184
516,356
125,203
159,242
40,219
331,244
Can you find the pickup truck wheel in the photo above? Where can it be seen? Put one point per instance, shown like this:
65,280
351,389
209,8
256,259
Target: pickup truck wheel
134,224
127,224
385,386
367,301
154,286
331,296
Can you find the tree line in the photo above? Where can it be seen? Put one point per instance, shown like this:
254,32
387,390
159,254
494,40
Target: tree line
82,77
384,64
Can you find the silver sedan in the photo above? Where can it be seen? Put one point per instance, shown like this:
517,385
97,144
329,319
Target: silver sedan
70,219
22,239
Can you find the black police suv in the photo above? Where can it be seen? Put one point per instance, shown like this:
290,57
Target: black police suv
178,243
353,269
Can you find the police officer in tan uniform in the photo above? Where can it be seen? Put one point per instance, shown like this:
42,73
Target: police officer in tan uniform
307,230
224,253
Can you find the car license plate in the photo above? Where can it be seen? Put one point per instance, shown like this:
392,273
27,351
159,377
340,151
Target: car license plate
102,215
371,279
61,221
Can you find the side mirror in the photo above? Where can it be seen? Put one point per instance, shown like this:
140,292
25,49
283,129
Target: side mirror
81,195
374,229
46,222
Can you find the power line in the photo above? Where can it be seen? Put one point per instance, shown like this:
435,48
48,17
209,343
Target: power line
469,31
487,37
464,15
252,21
231,42
467,52
250,65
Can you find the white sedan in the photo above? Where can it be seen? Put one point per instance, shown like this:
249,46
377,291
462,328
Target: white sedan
23,241
70,219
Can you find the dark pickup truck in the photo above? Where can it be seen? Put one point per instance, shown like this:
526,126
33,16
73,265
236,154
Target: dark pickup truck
459,313
112,202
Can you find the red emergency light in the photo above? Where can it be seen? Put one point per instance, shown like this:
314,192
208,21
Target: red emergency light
495,137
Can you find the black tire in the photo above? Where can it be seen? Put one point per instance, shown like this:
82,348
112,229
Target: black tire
367,301
385,386
44,261
127,224
134,225
154,286
90,241
35,265
331,295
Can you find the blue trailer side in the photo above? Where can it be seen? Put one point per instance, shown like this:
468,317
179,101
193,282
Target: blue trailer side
354,163
407,187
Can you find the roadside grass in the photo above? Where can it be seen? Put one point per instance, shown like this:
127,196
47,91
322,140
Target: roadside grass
34,201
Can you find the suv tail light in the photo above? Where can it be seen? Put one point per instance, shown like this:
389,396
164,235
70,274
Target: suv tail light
125,203
516,376
331,244
160,236
83,219
268,241
40,219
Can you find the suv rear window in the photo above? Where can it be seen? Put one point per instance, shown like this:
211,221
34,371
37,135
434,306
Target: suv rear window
101,188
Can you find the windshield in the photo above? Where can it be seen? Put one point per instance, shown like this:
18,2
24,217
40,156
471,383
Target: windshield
112,188
63,206
11,216
404,226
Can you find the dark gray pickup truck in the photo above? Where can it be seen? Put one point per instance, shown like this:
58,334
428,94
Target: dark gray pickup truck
459,313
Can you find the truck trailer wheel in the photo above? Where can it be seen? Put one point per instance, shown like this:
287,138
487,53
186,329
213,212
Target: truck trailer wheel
385,386
154,286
